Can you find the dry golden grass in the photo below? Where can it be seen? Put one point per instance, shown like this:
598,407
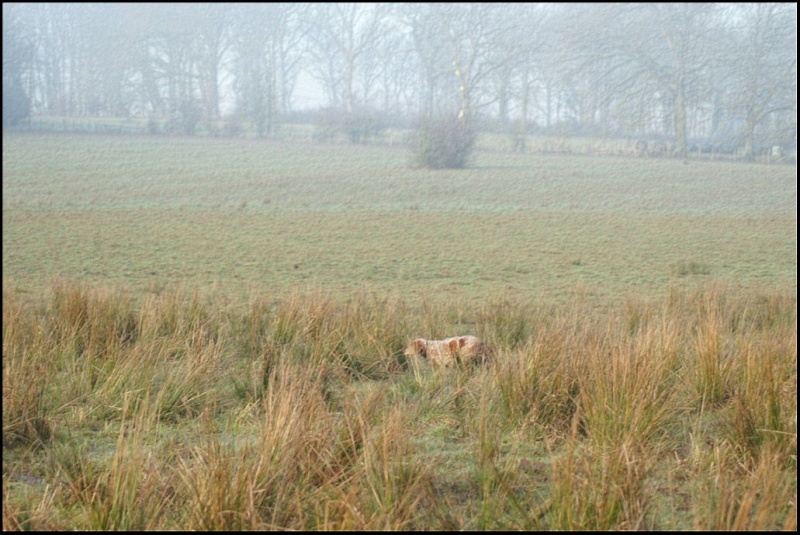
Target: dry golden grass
177,411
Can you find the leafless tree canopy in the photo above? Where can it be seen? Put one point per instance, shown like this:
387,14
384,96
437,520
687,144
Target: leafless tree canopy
681,74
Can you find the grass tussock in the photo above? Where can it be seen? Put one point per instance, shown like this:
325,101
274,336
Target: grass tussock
176,410
599,488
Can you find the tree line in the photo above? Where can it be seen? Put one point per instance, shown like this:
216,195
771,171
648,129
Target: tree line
723,74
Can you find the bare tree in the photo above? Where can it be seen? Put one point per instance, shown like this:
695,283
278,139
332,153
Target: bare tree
254,65
526,40
16,58
433,63
763,67
394,54
289,38
667,70
658,54
474,34
342,39
209,50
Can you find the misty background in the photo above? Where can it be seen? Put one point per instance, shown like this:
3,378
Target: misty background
696,76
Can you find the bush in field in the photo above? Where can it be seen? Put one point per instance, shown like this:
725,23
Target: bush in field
363,125
185,120
153,127
443,143
190,118
233,127
16,104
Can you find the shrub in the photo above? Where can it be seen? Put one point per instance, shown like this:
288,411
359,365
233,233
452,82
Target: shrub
443,143
153,127
233,127
16,104
185,120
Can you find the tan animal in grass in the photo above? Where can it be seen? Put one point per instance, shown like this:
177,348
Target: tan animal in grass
458,350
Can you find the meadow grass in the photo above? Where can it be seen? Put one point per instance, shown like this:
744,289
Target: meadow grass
90,172
239,214
208,334
472,257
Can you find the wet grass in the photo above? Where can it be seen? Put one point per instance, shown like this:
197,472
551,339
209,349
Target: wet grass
125,172
240,214
468,256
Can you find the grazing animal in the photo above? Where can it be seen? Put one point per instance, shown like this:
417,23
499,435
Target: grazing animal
458,350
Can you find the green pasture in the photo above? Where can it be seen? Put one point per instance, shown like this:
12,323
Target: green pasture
238,215
111,172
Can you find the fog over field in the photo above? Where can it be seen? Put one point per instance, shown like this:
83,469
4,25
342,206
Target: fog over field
678,77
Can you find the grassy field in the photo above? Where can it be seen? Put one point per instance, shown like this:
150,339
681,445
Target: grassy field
207,334
238,214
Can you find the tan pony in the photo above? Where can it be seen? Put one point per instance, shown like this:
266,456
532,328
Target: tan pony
458,350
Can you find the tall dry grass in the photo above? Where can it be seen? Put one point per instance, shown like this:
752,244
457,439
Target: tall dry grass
179,410
26,370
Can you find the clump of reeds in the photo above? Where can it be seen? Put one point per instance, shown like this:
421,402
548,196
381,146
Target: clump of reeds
27,409
126,492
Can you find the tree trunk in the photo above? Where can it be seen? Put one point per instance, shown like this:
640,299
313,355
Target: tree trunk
521,135
680,119
749,137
